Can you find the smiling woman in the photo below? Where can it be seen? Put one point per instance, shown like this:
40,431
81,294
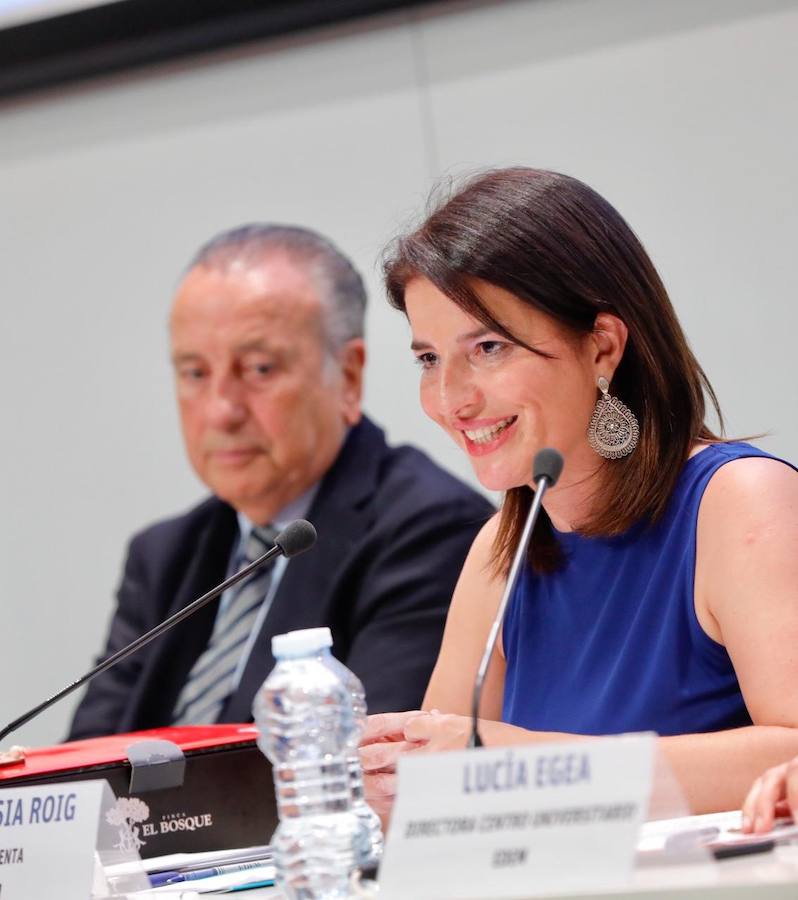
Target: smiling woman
660,589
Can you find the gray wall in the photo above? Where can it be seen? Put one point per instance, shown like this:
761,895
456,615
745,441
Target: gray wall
683,113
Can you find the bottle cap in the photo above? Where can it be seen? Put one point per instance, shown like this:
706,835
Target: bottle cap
322,635
301,643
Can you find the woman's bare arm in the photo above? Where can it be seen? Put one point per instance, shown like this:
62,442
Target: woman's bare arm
474,604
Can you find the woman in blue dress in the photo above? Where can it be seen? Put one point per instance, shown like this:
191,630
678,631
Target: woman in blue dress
661,588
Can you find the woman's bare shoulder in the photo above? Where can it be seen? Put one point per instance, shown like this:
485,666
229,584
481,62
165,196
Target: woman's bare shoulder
746,539
748,487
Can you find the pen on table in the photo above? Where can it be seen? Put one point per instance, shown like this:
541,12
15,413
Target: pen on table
250,885
162,876
175,876
249,854
760,846
197,874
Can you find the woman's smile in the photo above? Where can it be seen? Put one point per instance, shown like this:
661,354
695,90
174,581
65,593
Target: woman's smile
484,436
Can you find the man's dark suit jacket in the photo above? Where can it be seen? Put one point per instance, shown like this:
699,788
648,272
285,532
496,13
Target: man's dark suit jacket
394,530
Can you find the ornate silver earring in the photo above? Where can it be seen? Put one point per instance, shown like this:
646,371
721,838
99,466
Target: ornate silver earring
614,429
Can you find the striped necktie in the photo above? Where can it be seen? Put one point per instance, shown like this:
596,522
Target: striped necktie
211,679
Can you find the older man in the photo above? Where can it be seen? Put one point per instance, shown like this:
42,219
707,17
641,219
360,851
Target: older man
268,353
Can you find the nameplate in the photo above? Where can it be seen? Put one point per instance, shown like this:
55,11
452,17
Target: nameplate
516,822
48,835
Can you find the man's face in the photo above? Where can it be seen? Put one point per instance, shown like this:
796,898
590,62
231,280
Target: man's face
263,406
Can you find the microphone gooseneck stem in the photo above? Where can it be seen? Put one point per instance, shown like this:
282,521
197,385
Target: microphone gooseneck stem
518,559
114,658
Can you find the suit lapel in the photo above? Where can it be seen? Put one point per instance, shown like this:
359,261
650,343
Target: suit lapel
342,513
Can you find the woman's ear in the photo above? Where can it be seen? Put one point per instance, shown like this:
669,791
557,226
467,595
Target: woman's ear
608,337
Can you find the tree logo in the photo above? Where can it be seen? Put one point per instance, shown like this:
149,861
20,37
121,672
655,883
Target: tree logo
125,814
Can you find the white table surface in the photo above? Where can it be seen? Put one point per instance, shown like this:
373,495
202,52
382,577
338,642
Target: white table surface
763,876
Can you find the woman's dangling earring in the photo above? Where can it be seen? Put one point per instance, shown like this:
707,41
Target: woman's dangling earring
614,429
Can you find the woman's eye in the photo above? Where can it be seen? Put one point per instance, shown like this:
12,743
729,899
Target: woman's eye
426,360
491,348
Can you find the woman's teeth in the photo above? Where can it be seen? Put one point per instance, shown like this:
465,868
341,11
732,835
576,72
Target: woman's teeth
486,435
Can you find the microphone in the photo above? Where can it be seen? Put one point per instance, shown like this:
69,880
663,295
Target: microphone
295,538
546,469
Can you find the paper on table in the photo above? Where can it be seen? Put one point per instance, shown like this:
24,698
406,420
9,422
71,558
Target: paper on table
149,895
711,831
179,861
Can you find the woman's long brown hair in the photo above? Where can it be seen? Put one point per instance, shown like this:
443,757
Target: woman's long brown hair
559,246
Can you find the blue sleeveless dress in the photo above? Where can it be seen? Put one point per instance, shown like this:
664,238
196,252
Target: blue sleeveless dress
611,642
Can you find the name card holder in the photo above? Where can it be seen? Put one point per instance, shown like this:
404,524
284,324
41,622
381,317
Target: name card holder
517,822
56,838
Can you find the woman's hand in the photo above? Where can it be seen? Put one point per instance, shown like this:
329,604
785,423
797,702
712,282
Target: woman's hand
775,793
382,744
389,735
434,731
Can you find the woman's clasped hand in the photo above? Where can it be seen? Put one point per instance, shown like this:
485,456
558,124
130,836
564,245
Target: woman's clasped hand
389,735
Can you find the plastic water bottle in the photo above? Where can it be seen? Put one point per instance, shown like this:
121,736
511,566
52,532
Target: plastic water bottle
307,726
371,848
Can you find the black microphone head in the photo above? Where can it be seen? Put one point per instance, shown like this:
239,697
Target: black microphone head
296,538
548,464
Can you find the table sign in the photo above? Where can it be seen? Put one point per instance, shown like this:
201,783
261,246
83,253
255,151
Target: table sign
48,837
519,821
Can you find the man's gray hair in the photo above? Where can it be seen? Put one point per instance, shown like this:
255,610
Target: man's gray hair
340,285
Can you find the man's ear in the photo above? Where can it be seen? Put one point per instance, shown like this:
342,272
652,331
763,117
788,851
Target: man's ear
352,358
609,338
